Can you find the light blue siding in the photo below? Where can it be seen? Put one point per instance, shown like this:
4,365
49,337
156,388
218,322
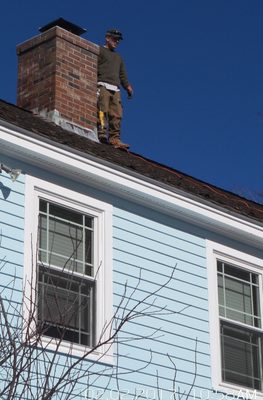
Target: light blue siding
148,252
12,231
158,250
11,250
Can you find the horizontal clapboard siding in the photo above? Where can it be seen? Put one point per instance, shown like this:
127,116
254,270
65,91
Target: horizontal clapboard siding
12,235
11,255
149,253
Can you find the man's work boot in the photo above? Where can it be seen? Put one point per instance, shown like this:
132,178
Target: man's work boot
103,138
117,143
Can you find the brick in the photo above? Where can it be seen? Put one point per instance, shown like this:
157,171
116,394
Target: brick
58,70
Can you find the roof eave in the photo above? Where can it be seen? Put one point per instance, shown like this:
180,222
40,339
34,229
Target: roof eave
127,184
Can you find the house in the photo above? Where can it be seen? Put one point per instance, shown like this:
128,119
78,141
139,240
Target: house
94,239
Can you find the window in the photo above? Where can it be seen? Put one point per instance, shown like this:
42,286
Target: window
235,319
66,282
238,298
70,260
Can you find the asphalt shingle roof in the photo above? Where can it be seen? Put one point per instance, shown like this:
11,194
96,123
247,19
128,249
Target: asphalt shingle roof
131,161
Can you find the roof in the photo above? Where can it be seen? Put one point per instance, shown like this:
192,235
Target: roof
131,162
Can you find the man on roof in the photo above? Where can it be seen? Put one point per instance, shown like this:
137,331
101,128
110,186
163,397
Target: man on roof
111,76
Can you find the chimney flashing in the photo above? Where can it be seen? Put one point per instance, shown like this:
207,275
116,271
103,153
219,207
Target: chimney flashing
67,25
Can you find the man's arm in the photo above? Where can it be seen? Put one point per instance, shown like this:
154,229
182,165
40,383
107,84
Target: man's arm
124,80
129,90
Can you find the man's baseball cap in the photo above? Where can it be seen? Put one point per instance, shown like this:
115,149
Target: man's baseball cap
114,33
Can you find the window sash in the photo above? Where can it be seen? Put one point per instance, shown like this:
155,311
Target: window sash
66,306
64,242
238,298
241,355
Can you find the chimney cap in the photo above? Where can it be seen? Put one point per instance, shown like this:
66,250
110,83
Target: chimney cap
62,23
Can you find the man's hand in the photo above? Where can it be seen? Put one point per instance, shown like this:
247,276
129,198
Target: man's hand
129,90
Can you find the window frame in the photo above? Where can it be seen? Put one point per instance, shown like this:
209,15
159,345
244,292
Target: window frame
47,268
37,189
217,252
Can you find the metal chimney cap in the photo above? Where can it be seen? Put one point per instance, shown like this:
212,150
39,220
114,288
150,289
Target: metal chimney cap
62,23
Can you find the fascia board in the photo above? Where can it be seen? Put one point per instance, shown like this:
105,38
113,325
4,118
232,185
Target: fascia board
106,176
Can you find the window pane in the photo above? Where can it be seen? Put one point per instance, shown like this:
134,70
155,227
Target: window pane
89,241
65,243
238,294
240,352
65,213
43,206
65,306
221,299
256,306
238,297
237,272
89,222
43,238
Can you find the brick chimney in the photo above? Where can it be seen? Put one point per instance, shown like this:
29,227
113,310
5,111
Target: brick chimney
57,77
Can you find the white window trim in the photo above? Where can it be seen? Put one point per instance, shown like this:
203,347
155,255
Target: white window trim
38,188
215,251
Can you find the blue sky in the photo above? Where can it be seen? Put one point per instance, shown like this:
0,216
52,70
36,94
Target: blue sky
197,71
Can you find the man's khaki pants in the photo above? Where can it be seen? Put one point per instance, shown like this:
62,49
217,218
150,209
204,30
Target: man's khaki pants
109,113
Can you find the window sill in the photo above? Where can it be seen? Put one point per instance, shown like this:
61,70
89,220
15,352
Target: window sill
228,390
103,355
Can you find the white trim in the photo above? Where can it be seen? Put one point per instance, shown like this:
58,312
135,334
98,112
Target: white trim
216,251
102,212
117,180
